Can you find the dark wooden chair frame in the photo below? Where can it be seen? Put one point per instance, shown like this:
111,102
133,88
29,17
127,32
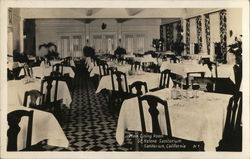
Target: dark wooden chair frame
13,121
138,86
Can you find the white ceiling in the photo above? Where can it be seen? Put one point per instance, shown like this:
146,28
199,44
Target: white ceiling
108,12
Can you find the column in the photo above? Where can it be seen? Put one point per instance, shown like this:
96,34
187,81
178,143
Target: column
21,43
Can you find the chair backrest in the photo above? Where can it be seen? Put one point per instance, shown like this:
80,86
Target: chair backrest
121,60
66,61
120,76
234,116
165,78
136,65
153,102
49,81
103,68
138,86
14,119
189,74
175,60
147,66
33,94
58,68
111,69
28,71
212,66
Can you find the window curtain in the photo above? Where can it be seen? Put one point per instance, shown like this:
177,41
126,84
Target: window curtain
188,36
179,30
207,31
161,32
169,35
199,32
223,34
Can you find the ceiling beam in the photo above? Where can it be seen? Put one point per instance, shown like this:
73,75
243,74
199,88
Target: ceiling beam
92,11
121,20
133,11
88,21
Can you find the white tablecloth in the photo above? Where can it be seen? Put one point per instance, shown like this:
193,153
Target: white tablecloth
224,71
123,68
43,71
45,126
146,59
152,80
200,119
16,90
53,62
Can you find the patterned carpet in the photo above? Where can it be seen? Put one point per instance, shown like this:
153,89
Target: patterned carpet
89,126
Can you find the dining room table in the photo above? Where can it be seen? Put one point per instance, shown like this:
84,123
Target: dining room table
44,127
17,89
223,70
43,70
197,119
53,62
152,80
120,67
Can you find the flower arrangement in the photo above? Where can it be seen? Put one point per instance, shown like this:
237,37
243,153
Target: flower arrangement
119,51
88,51
157,44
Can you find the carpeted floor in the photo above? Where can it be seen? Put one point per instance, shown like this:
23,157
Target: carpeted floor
89,126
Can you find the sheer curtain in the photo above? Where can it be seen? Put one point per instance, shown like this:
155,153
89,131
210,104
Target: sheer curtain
65,47
77,46
97,43
139,44
129,43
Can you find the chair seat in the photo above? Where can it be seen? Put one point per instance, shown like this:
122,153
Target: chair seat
152,142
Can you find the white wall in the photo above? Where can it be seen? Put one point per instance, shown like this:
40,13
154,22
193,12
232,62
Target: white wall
14,32
47,30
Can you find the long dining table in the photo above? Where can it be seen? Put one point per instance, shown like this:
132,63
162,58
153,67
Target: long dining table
197,119
17,89
44,127
41,71
152,80
223,70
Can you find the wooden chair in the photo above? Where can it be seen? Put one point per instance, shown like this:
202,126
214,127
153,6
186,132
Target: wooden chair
153,102
208,83
147,66
54,105
121,60
174,59
103,68
111,69
28,71
193,74
14,119
138,87
66,61
135,65
34,95
58,68
232,134
164,80
119,93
